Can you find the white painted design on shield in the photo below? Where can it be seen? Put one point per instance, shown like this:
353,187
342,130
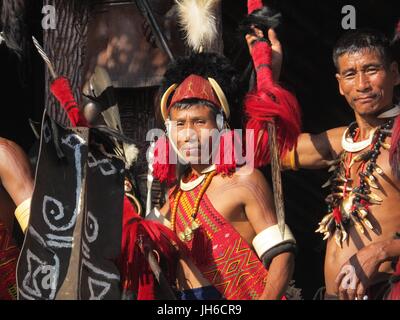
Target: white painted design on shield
56,213
91,227
59,245
30,283
37,236
59,241
25,296
46,132
85,250
105,165
98,289
78,160
105,274
59,238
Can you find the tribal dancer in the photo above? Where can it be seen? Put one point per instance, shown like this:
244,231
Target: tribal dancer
220,210
364,160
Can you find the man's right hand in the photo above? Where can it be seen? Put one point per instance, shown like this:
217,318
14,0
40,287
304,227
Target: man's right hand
277,52
358,272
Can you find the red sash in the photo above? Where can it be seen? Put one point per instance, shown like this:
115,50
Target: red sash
230,264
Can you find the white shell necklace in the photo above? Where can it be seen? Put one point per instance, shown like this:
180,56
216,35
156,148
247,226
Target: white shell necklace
187,186
347,141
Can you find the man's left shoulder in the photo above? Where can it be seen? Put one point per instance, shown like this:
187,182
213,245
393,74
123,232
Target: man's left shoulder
248,174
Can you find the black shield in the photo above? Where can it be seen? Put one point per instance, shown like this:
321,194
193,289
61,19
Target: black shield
75,226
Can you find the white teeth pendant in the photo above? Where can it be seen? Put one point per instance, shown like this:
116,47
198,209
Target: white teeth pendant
346,199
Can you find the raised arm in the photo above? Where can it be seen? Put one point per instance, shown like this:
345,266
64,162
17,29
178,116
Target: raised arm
313,151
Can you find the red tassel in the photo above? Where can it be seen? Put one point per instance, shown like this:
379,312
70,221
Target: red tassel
136,275
261,108
337,215
146,288
61,89
200,247
133,265
227,155
253,5
270,101
163,169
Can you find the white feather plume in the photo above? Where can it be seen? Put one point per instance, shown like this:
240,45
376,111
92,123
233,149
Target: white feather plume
198,20
131,154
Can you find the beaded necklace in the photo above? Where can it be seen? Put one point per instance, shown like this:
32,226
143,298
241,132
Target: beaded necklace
351,204
187,234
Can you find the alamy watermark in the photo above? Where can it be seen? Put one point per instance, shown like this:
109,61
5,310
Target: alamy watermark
49,18
349,19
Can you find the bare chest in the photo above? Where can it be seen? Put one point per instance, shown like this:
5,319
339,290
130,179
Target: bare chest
227,201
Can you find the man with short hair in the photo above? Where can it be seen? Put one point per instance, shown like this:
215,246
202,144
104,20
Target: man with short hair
223,213
363,213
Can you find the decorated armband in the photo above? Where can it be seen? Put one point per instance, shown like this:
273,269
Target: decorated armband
269,243
289,161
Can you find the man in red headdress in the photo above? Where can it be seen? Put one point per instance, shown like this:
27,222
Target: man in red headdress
222,211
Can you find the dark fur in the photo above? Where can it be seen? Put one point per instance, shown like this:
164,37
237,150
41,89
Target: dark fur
13,24
263,19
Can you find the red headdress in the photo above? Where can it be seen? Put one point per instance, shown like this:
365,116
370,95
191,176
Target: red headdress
201,85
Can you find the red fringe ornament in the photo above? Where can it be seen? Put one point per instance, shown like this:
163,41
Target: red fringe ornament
200,247
139,235
227,155
270,101
253,5
61,89
163,169
337,215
